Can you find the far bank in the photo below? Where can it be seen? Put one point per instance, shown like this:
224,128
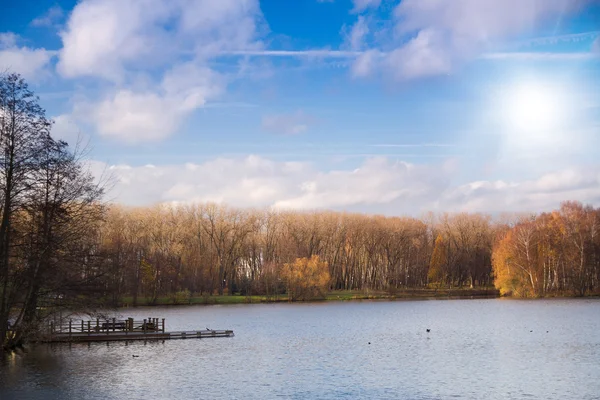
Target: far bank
341,295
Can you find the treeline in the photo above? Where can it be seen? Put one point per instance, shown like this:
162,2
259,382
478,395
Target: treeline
557,252
207,249
215,249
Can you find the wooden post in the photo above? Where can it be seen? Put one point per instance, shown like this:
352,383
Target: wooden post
89,328
144,326
98,325
114,324
70,322
82,327
131,324
163,325
52,327
107,328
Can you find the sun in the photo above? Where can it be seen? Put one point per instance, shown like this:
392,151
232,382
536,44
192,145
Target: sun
535,114
533,108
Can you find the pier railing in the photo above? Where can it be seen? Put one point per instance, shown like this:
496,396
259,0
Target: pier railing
106,326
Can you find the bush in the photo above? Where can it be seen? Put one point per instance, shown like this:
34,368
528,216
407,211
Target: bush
306,278
182,297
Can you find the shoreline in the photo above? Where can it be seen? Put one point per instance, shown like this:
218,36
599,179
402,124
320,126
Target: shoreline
341,296
334,296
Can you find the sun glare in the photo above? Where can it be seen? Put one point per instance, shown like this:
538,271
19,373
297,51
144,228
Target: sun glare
533,108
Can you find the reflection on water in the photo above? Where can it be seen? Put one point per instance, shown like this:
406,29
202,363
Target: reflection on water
495,349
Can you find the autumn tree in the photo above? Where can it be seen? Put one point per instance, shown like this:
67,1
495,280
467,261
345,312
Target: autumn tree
509,279
306,278
579,227
438,262
552,253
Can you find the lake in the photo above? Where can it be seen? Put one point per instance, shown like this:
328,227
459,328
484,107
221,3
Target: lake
477,349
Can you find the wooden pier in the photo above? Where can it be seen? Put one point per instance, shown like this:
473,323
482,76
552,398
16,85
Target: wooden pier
129,329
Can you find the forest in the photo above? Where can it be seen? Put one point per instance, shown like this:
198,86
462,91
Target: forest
214,249
63,247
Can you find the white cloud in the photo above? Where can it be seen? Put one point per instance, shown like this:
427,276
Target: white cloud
8,39
30,63
287,124
192,84
215,26
420,57
377,181
105,38
356,37
154,114
362,5
432,37
102,37
130,44
133,116
378,184
366,63
478,20
542,194
258,182
66,129
251,181
50,18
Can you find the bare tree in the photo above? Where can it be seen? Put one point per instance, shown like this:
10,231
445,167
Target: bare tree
48,215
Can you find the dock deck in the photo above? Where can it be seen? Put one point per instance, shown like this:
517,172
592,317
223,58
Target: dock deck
112,336
112,330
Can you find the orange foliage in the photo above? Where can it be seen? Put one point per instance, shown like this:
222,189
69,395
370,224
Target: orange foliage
551,253
306,278
509,281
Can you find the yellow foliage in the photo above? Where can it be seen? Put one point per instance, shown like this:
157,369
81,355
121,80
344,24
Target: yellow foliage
503,280
438,261
306,278
508,279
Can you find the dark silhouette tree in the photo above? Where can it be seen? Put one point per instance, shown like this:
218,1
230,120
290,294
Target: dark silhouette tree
49,212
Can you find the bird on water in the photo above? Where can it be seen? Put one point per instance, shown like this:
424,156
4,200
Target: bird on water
428,330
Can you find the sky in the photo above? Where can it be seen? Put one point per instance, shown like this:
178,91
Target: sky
395,107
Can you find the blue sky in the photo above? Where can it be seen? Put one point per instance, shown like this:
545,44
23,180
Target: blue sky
380,106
